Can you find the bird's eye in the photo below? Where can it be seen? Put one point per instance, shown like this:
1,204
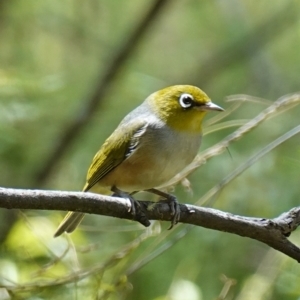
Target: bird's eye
186,100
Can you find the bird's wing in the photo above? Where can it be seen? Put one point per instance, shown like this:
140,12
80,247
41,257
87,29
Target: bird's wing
119,146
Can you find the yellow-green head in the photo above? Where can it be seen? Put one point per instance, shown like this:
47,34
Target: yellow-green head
182,107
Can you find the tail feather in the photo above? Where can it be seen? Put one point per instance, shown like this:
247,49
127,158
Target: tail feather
73,219
69,223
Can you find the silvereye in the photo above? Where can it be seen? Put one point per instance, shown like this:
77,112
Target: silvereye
150,146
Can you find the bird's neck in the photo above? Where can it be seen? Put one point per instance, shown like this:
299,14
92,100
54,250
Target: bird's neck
191,123
185,121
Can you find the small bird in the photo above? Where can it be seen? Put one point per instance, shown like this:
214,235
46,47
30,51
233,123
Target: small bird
152,144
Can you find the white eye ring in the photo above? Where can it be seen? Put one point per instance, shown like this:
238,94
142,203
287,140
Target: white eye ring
186,100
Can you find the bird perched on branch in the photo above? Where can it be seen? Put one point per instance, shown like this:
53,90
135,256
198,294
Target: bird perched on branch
150,146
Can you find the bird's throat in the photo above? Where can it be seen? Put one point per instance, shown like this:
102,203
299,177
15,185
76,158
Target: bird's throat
190,122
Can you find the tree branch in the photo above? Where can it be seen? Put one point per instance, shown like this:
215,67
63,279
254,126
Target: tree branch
273,232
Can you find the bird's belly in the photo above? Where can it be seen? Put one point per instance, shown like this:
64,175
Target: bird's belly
152,165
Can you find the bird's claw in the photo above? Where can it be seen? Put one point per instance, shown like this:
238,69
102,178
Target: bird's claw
135,208
137,212
173,203
175,210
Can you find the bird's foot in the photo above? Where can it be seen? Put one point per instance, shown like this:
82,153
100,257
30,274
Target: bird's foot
173,203
135,208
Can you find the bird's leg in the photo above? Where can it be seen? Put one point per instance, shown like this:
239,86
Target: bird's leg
121,194
173,203
135,209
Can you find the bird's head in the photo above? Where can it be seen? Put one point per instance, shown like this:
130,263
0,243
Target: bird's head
182,107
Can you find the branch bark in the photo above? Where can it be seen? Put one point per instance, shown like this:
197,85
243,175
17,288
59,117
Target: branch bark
273,232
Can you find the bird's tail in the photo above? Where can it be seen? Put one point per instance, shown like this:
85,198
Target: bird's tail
73,219
69,223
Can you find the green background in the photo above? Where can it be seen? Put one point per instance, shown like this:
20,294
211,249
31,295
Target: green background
53,57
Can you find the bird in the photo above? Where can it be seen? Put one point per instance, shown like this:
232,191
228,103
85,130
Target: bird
152,144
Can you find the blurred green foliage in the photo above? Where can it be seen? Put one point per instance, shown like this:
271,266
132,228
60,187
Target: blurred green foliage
52,55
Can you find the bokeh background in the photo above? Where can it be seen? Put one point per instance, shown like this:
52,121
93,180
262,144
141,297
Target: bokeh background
70,70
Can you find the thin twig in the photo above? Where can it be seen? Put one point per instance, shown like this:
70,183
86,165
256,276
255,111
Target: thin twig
283,103
252,160
81,273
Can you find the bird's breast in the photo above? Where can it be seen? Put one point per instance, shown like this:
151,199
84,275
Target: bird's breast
160,154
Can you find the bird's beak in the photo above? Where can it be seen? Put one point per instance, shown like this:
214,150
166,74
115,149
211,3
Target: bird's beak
210,106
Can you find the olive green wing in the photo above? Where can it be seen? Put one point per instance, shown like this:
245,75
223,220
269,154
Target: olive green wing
114,151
